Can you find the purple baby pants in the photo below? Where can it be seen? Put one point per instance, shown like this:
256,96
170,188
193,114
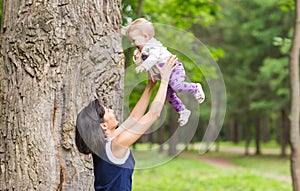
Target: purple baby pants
178,85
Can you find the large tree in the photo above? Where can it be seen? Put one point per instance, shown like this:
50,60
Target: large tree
295,101
56,56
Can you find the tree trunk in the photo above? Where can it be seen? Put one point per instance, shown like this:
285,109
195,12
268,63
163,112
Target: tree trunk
248,134
56,56
161,138
295,101
266,129
234,131
140,8
284,133
257,136
240,130
173,137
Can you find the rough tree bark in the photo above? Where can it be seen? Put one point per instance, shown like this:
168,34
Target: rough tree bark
295,101
56,56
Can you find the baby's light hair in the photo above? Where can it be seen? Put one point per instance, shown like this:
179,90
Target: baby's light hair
141,24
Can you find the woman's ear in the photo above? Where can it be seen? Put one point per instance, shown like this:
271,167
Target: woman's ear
103,126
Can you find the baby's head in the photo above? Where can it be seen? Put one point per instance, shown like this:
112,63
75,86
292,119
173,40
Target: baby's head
141,25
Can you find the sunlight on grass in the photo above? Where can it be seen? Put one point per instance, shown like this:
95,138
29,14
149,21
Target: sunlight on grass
264,163
271,163
184,174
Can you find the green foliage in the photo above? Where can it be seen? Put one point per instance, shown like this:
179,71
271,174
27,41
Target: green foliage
186,13
216,52
255,70
181,14
283,43
276,71
287,5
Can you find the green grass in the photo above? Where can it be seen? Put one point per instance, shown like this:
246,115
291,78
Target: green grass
265,163
185,174
260,163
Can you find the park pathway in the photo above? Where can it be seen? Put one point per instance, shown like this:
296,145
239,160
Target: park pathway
223,162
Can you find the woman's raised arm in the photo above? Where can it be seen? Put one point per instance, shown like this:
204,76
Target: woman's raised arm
141,106
128,135
138,110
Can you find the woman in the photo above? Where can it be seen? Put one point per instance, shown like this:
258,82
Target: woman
98,133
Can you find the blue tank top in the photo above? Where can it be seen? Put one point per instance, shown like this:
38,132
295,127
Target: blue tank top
113,174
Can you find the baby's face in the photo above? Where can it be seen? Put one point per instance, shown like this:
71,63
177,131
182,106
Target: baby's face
138,39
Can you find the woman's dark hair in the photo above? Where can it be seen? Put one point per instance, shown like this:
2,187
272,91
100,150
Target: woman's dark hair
80,144
89,136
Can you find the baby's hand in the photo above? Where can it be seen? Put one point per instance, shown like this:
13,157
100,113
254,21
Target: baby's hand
136,54
140,68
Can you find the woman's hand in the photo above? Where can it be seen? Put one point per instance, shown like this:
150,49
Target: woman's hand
167,68
151,82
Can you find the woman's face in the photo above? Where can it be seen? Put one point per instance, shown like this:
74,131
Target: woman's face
110,118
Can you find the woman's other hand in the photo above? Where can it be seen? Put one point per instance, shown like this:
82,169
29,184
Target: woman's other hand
151,82
167,68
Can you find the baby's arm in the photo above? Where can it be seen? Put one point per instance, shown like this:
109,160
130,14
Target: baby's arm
137,58
152,59
150,62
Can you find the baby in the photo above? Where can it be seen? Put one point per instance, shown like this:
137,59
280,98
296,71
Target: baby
150,54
